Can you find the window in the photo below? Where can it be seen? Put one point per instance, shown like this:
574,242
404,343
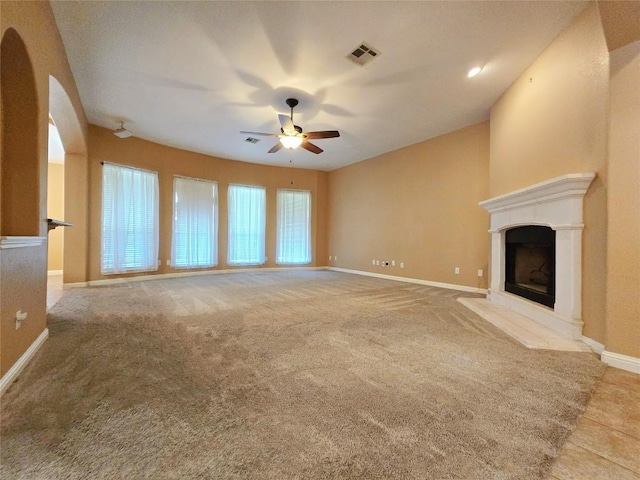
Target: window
129,220
195,223
294,227
247,214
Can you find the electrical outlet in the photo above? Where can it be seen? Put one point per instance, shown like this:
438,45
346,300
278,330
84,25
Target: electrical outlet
480,272
169,262
377,262
373,262
401,264
393,263
457,271
335,258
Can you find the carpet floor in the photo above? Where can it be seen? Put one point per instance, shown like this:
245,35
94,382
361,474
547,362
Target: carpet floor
286,375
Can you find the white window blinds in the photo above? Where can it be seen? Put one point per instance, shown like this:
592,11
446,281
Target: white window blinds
129,220
294,227
194,242
247,221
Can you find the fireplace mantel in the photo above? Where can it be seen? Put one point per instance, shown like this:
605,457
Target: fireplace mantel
556,203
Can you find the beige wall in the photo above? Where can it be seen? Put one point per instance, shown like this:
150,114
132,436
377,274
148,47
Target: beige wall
553,121
23,271
623,208
55,209
620,21
167,161
417,205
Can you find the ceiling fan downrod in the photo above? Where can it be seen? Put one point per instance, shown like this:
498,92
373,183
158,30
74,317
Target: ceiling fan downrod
292,102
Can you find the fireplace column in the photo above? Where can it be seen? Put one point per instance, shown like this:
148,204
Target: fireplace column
569,292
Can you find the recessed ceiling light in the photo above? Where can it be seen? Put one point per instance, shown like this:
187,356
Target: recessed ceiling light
474,71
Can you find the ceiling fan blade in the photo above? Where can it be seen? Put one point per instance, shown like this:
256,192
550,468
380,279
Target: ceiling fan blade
275,148
311,147
324,134
259,133
287,124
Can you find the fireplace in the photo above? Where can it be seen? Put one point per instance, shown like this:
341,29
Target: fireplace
530,263
536,252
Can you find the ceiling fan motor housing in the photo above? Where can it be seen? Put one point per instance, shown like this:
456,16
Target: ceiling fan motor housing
296,127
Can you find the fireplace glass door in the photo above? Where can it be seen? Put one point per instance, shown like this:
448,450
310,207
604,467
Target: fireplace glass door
530,263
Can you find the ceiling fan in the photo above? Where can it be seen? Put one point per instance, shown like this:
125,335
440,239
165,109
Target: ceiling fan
292,135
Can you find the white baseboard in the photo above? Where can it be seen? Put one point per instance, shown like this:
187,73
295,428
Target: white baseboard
54,272
597,347
190,273
22,362
617,360
623,362
450,286
66,286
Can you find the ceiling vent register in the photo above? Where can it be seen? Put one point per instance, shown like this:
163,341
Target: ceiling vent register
252,140
362,55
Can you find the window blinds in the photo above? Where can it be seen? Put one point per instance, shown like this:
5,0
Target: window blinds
129,220
294,227
194,241
247,222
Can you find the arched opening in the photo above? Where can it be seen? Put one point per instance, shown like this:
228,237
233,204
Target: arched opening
71,189
55,210
19,168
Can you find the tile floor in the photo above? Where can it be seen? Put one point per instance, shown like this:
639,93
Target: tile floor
54,290
606,442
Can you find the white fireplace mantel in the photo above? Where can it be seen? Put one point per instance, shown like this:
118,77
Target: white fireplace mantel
556,203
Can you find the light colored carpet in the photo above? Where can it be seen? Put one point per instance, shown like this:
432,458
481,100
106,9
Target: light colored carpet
303,374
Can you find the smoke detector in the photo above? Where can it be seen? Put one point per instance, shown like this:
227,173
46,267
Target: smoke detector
363,54
122,132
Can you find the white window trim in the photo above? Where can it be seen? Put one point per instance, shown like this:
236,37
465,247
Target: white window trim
116,270
215,224
309,260
262,260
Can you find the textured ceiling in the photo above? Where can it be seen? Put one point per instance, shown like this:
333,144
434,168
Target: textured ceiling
193,74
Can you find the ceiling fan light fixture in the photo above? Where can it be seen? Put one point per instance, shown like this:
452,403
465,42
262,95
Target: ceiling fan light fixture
291,141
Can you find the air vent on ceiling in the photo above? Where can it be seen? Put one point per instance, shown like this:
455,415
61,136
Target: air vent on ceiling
252,140
363,54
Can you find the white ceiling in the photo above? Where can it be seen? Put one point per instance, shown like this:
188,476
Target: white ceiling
193,74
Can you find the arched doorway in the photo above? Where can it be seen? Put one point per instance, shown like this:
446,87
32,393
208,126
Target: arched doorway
19,167
74,185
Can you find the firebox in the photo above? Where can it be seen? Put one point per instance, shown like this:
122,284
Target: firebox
530,263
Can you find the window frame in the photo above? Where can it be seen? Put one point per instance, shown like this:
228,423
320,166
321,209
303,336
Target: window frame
230,228
214,224
279,228
152,228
